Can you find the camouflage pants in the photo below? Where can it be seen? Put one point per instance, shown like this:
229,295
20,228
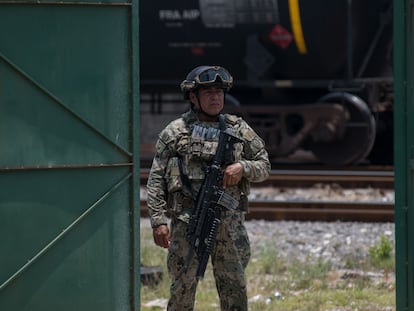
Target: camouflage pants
229,259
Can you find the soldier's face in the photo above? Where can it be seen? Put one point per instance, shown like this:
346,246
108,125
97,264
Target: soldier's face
211,100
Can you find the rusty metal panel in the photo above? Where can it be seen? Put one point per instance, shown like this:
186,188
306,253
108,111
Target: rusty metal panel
69,163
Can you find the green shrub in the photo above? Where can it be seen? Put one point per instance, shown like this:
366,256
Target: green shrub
381,254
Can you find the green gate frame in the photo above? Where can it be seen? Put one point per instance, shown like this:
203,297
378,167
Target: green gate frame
404,151
69,155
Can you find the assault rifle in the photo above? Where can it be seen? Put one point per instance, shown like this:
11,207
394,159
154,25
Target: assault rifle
206,212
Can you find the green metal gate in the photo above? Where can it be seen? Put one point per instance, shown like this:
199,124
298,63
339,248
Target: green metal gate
69,169
404,151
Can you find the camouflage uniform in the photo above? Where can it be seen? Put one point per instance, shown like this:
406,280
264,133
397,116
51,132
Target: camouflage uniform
167,197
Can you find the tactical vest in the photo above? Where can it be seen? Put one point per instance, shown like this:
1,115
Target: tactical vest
199,142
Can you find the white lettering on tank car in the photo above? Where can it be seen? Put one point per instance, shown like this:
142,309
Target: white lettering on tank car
176,15
191,14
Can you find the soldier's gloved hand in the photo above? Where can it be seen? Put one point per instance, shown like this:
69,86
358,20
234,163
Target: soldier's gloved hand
232,174
161,236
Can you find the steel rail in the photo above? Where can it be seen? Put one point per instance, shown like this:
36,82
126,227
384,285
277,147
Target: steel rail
314,211
304,178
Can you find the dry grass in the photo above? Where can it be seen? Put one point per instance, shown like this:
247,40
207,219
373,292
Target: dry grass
275,284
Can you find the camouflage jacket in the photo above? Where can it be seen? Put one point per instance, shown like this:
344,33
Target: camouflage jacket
165,190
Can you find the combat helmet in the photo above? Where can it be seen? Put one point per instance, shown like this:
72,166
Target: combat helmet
206,76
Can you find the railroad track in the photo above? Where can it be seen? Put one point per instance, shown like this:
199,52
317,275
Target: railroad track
318,210
314,211
375,178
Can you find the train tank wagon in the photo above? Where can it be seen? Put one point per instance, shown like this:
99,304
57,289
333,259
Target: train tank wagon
313,75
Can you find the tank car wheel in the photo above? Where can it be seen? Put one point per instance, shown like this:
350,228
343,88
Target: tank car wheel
359,135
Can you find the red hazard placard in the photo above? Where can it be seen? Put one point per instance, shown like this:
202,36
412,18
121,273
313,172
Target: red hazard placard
280,36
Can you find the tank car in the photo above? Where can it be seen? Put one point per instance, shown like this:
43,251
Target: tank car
308,75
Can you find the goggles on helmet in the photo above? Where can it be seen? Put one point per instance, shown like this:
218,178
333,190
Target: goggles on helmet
210,76
214,75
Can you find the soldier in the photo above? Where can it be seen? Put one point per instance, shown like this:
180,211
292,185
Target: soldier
183,150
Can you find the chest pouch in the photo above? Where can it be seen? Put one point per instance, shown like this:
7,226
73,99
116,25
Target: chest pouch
204,142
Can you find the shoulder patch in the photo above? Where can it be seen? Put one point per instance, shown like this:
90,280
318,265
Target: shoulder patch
257,143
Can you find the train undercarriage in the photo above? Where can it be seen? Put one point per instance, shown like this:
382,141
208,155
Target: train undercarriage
347,126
